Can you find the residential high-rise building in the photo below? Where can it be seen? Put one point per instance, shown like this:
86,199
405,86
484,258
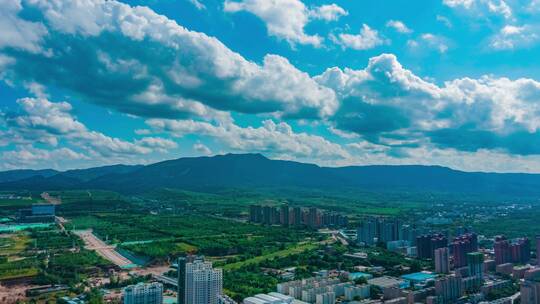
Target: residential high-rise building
313,216
276,219
142,293
396,229
520,250
387,231
448,289
284,215
530,292
461,246
470,284
426,245
423,246
297,216
442,260
459,253
408,233
461,230
367,232
268,215
501,247
475,262
333,219
181,262
255,213
198,281
325,298
181,272
538,250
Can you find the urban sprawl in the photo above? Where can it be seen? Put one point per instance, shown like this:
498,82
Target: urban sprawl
432,266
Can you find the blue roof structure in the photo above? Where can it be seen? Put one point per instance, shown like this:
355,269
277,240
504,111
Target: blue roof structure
419,277
357,275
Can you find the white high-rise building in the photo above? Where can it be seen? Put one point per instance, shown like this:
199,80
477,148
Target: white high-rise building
203,283
141,293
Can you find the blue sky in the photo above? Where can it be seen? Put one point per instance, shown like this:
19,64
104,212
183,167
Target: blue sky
443,82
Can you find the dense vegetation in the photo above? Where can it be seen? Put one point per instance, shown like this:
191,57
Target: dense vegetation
47,256
165,223
163,236
71,268
254,171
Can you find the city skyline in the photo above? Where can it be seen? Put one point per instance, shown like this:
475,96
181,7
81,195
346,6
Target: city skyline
332,82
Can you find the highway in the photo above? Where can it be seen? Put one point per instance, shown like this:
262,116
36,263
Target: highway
106,251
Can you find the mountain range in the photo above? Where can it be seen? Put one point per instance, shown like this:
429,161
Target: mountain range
250,171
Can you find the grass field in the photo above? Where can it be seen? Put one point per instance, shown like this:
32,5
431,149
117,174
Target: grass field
161,249
73,196
18,269
294,249
17,202
12,245
19,273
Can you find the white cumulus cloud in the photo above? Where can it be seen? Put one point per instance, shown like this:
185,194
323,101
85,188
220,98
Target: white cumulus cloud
398,26
368,38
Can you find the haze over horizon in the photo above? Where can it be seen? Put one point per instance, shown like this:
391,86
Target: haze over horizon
335,83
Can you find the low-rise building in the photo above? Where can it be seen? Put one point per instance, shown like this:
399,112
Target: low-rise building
357,292
519,271
489,265
272,298
387,281
505,268
492,285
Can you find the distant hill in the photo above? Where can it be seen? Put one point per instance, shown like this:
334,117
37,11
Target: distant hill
14,175
92,173
254,171
50,179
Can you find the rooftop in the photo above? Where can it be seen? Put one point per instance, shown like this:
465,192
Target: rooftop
386,281
419,276
357,275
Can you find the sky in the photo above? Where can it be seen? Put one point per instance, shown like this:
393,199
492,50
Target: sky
444,82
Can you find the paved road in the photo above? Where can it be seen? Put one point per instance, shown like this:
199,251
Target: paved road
107,251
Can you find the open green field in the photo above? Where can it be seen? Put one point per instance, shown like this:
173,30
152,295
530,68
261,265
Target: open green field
12,245
17,202
20,268
75,196
161,249
293,249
